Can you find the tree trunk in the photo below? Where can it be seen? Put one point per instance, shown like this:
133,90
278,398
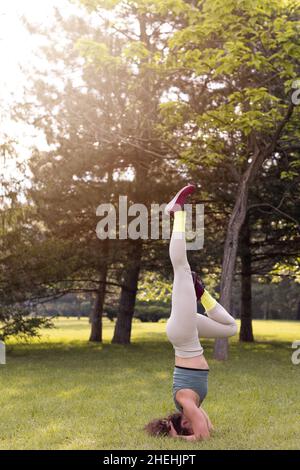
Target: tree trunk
298,311
266,312
97,312
236,221
229,258
122,331
246,332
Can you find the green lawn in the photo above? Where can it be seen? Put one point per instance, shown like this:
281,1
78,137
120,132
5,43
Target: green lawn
62,393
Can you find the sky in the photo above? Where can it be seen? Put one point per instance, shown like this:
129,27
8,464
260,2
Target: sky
19,52
17,46
18,49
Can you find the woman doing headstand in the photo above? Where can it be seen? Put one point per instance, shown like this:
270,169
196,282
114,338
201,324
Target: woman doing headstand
185,325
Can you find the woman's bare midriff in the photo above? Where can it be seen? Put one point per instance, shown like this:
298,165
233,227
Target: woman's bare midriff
196,362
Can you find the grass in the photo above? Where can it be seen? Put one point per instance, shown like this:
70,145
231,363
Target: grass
62,393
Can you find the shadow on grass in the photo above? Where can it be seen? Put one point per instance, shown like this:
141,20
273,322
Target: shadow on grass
154,344
140,357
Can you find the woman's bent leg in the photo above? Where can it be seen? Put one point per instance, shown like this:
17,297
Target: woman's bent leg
218,323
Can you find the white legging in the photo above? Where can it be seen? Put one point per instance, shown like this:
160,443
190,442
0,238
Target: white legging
185,325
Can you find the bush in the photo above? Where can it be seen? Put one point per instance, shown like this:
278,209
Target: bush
144,311
111,312
19,321
151,311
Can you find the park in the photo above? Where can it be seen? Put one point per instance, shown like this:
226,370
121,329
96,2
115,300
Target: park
150,204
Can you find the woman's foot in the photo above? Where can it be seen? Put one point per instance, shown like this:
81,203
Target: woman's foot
198,284
178,201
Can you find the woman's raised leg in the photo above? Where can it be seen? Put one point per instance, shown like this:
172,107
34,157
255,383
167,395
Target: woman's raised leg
182,324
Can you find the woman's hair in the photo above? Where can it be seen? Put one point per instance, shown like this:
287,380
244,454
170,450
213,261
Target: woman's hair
162,427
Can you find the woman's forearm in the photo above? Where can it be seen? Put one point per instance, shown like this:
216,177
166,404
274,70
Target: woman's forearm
188,438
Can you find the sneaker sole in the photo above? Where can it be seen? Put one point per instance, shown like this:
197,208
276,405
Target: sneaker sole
171,205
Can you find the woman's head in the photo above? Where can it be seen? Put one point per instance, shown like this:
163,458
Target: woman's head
162,426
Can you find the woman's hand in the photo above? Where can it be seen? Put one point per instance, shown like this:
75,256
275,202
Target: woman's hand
209,424
172,431
196,417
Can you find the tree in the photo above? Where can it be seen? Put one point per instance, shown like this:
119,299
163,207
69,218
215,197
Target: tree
16,313
97,137
233,66
246,333
270,234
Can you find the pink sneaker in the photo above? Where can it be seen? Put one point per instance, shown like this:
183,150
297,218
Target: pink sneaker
178,201
199,285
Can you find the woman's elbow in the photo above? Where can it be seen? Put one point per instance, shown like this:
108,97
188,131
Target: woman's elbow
203,436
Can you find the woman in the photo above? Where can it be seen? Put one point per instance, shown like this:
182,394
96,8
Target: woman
184,327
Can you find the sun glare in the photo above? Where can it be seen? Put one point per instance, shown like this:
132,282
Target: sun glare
17,46
18,52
